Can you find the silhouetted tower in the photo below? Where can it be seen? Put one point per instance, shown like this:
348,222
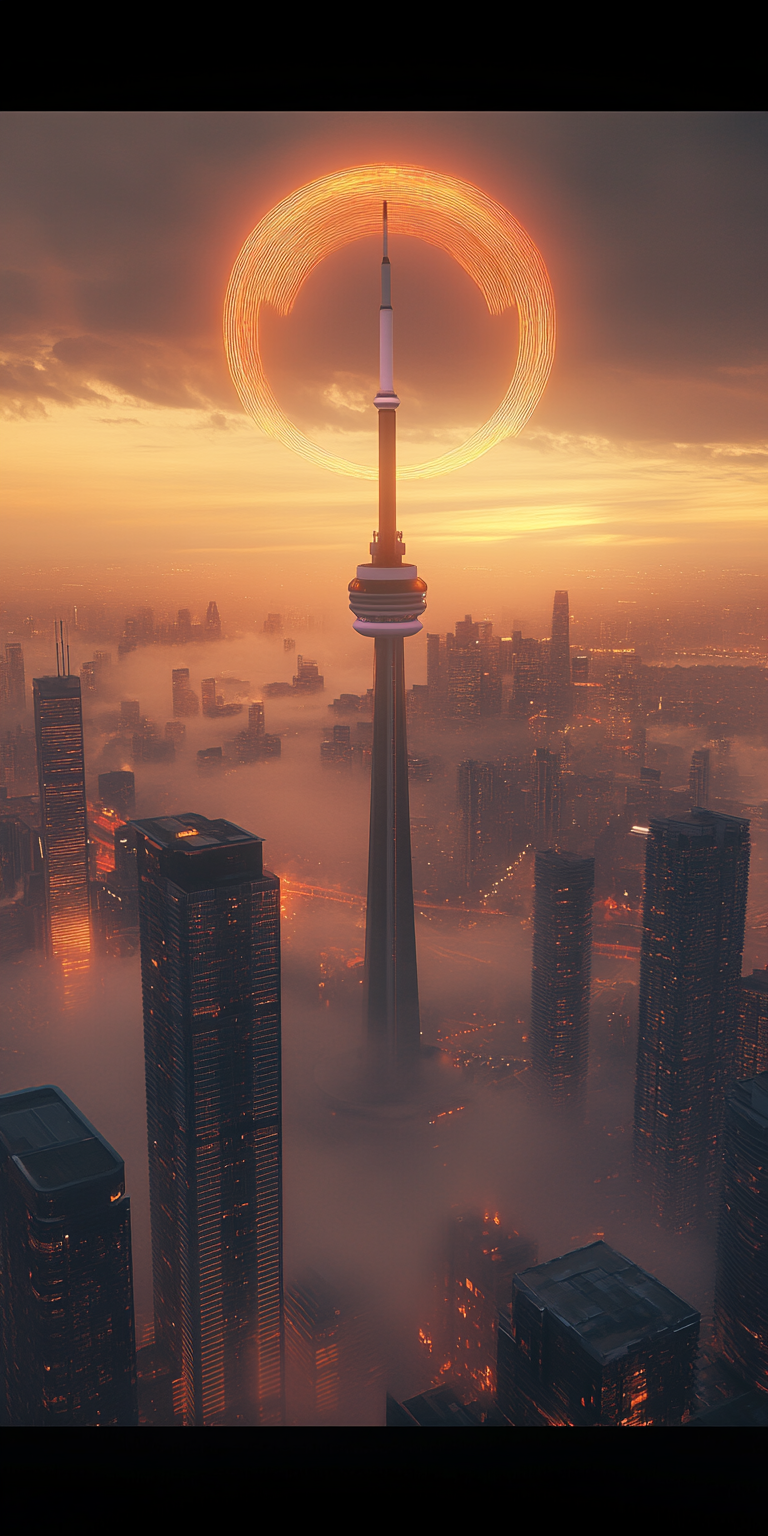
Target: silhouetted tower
61,779
210,960
698,779
560,980
476,786
545,777
741,1285
696,873
212,623
185,700
387,598
68,1353
16,692
752,1026
560,659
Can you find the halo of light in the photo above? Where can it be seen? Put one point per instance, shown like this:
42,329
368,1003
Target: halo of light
329,213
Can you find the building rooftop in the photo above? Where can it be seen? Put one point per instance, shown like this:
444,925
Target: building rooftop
757,982
51,1143
605,1299
189,833
55,687
198,854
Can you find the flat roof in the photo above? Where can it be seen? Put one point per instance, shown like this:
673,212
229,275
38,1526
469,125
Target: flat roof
605,1299
190,833
51,1142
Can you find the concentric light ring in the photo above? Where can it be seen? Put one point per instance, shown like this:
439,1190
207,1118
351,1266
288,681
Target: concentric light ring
329,213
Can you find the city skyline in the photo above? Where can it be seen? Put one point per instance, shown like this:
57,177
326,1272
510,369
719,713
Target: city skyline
570,843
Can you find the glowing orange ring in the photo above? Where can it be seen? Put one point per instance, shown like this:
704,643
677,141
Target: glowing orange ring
329,213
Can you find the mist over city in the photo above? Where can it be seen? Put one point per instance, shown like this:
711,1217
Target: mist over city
384,1012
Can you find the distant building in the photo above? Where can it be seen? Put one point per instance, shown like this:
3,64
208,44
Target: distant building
546,791
210,760
591,1340
118,791
307,679
752,1026
482,1257
214,703
210,962
66,1298
698,779
185,700
560,696
478,810
255,743
212,623
696,875
741,1285
130,714
334,1371
13,680
560,981
61,779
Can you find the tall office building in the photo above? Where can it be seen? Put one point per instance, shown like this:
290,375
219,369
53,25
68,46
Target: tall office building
212,623
590,1341
560,981
696,873
752,1026
117,789
560,694
15,688
476,796
185,700
61,779
546,797
741,1286
698,779
209,919
482,1257
67,1350
334,1366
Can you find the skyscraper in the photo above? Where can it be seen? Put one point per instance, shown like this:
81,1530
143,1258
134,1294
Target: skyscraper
546,795
67,1350
61,779
591,1340
334,1369
752,1026
560,981
387,598
698,779
560,695
696,875
185,700
210,959
741,1286
481,1260
15,689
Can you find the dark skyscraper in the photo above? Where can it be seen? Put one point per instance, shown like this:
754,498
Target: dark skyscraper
752,1026
560,982
560,659
592,1341
334,1370
210,959
546,794
741,1287
185,700
61,778
696,875
481,1261
67,1351
476,794
387,598
117,789
15,688
698,779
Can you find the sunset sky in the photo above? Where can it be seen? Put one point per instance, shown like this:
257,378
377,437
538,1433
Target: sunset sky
124,437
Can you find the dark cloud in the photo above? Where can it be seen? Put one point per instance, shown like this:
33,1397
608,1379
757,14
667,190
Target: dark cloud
122,227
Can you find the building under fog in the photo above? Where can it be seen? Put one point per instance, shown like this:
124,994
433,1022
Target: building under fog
68,1353
334,1369
561,976
210,961
590,1340
690,974
741,1286
61,779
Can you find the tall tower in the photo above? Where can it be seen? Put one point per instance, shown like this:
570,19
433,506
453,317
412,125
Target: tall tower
387,597
560,658
61,777
209,919
68,1353
696,873
560,981
545,783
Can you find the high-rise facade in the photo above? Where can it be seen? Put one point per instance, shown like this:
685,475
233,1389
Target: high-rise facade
546,797
334,1366
61,779
752,1026
185,700
15,688
590,1340
696,874
741,1286
482,1257
560,694
67,1349
560,980
210,958
698,779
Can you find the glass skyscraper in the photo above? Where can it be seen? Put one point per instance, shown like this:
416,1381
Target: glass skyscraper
696,875
210,960
741,1286
61,777
67,1350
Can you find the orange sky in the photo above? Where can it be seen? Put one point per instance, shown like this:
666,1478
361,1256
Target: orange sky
125,441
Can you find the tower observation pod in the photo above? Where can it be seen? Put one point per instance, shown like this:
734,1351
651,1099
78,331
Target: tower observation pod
387,598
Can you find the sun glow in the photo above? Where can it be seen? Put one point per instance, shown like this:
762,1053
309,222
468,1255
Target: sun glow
329,213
